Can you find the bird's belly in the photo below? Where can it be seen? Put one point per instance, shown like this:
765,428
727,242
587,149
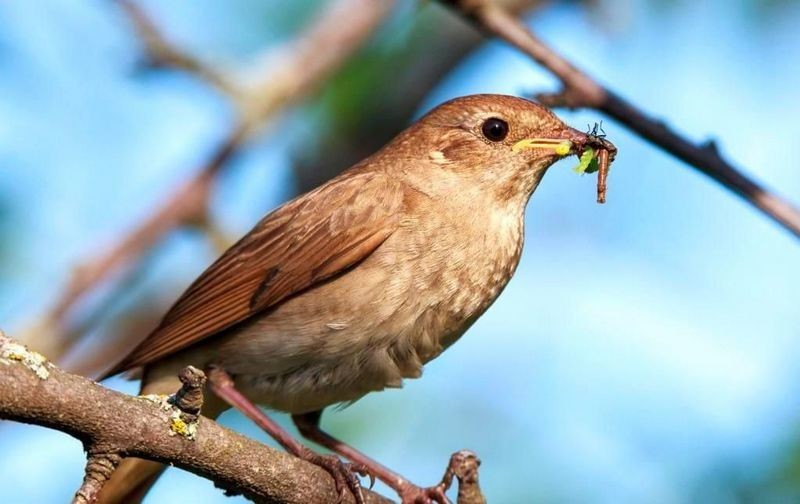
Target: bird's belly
343,373
319,362
361,333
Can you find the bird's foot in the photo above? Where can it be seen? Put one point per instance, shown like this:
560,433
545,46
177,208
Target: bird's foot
412,494
344,474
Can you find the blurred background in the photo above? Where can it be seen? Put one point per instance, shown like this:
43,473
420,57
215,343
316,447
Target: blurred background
646,351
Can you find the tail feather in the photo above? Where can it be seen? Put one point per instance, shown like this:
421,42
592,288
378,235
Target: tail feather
130,482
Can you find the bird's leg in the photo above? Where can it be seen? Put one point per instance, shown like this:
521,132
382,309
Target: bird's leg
308,425
344,474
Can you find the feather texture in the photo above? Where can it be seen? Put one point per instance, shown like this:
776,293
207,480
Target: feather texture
302,243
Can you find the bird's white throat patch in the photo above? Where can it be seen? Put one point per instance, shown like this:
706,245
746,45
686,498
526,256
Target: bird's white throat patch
438,157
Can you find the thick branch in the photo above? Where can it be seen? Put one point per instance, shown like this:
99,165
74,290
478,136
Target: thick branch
582,91
113,425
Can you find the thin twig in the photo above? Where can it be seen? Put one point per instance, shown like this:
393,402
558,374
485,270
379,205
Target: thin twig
582,91
464,466
99,467
189,399
160,52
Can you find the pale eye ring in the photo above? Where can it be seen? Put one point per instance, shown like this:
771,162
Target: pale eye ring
495,129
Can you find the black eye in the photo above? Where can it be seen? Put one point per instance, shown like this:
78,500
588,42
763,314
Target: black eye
495,129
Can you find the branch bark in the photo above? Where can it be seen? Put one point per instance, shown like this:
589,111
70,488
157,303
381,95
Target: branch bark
464,466
99,467
580,90
112,425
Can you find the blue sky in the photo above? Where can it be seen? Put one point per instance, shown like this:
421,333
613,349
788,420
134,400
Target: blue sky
644,347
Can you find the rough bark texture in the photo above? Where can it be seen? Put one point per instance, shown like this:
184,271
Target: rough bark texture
112,425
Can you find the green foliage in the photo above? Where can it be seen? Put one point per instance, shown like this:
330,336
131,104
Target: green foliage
362,84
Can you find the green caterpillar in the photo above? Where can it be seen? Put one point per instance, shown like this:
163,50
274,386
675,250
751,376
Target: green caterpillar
588,162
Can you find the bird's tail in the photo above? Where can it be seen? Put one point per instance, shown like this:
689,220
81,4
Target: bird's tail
130,482
134,477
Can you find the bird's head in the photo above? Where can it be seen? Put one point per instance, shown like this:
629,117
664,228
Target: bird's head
501,143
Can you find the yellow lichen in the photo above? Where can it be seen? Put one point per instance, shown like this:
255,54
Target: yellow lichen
36,362
177,425
160,399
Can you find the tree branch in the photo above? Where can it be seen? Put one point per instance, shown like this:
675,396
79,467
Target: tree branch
582,91
112,426
464,467
160,52
99,468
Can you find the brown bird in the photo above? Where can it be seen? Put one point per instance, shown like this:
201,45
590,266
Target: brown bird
354,286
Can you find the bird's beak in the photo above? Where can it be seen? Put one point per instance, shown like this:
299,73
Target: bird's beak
567,141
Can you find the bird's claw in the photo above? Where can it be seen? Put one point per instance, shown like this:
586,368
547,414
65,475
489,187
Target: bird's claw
343,474
412,494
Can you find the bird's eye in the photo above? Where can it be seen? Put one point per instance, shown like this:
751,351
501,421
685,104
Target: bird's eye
495,129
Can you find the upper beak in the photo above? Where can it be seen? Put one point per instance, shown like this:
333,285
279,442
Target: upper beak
568,141
581,141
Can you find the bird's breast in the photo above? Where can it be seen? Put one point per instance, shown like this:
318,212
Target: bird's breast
383,320
460,263
477,270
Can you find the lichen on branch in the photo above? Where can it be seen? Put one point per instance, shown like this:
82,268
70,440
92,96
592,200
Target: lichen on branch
113,425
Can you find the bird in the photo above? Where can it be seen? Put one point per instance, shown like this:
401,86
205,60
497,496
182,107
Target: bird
353,287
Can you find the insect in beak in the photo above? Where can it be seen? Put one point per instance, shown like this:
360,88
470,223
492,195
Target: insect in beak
594,151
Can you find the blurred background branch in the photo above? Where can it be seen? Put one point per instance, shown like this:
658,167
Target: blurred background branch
581,91
161,53
287,76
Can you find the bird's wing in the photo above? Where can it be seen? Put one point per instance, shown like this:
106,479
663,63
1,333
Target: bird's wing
298,245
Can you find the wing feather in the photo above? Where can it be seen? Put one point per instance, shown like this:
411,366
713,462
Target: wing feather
298,245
